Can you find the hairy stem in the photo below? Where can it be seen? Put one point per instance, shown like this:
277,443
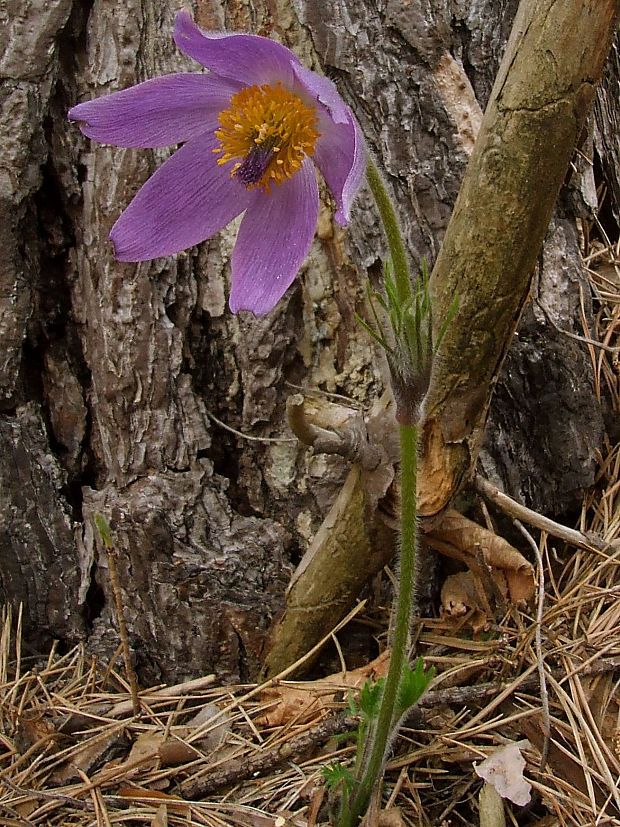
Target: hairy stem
382,729
386,720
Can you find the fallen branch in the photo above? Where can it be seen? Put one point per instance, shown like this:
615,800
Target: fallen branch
467,695
266,760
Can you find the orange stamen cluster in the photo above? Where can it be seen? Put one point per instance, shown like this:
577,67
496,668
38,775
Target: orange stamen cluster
267,132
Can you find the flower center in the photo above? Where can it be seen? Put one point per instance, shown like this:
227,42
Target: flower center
267,131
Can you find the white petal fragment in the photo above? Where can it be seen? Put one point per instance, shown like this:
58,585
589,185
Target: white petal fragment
503,769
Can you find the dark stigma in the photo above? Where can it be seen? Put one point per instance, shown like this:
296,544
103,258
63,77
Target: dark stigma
255,164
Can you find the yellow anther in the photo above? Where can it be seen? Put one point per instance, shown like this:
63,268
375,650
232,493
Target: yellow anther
267,131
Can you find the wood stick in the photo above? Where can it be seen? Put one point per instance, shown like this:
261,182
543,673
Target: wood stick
589,542
122,629
266,760
105,534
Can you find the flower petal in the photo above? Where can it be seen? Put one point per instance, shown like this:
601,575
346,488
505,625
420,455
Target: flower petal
245,58
323,91
188,199
340,154
274,239
159,112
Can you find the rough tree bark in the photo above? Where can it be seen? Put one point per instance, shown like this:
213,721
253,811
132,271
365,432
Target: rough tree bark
113,377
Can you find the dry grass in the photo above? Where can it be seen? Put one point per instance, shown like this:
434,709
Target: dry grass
73,753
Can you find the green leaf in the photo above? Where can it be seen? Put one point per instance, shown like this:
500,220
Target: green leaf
352,705
373,333
336,775
370,698
413,684
105,532
390,290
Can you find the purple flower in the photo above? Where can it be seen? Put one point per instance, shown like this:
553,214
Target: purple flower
252,129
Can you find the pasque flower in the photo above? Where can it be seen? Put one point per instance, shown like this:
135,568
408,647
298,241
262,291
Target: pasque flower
253,128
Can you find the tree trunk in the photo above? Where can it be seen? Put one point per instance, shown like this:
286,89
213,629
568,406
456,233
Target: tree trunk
532,125
114,377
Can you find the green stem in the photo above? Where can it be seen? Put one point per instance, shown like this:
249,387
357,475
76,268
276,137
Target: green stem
383,728
385,723
391,225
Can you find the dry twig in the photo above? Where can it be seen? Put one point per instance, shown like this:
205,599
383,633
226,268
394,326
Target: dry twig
589,542
106,538
540,607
